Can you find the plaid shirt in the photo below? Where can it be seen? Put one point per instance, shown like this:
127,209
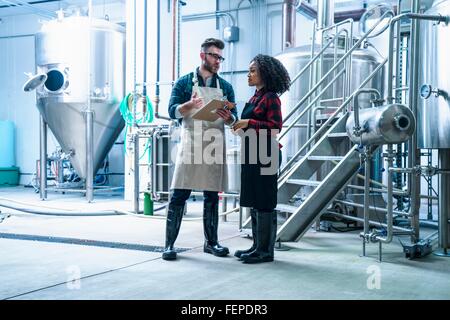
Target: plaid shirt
267,112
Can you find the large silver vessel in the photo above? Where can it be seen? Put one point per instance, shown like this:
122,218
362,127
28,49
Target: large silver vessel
74,52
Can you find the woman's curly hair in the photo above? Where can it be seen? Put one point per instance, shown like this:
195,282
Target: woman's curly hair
273,73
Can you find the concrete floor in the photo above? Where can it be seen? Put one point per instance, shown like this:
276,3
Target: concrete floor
323,265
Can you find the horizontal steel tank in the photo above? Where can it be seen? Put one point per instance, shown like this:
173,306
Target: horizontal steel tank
433,110
73,52
364,61
390,124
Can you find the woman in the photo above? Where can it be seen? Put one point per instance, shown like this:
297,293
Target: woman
262,115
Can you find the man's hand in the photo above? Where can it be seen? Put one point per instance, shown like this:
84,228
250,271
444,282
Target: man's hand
195,103
241,124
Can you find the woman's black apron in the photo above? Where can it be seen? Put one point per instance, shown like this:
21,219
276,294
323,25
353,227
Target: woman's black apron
257,191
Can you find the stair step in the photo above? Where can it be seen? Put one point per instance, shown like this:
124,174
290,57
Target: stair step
302,182
338,135
326,158
285,208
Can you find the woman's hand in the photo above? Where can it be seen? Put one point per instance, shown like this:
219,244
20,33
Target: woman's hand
225,115
240,124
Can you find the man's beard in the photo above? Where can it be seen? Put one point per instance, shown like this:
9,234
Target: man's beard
209,66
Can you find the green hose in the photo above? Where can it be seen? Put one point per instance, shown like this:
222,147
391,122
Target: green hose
141,117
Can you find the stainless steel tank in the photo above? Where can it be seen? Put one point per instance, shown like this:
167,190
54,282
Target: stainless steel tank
390,124
364,61
234,170
63,53
433,111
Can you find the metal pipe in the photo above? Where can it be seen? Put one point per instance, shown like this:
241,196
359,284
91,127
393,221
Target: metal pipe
375,223
397,193
154,152
18,36
310,81
89,118
179,38
144,90
307,11
355,15
414,152
390,200
135,138
238,9
367,162
96,189
134,63
158,61
356,105
89,155
377,209
392,24
444,201
43,159
224,208
201,16
200,193
350,63
325,13
174,26
37,10
288,24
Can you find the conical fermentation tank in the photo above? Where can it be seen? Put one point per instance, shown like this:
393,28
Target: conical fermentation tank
73,52
364,62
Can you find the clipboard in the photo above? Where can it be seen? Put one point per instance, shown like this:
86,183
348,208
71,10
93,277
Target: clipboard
208,111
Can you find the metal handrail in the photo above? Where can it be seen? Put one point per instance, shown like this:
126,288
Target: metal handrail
294,122
334,67
310,92
300,73
348,20
283,172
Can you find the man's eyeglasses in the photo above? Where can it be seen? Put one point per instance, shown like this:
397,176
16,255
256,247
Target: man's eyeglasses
215,56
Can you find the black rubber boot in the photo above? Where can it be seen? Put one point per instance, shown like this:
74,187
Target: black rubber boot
173,223
266,234
239,253
210,226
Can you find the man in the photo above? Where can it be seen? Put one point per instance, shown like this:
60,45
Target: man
190,93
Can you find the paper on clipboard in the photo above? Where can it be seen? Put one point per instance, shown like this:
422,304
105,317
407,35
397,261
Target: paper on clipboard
208,111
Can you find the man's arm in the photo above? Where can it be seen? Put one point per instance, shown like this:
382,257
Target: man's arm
177,98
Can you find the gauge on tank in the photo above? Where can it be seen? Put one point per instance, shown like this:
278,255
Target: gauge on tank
425,91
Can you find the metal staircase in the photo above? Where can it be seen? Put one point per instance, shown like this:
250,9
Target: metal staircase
322,148
303,216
